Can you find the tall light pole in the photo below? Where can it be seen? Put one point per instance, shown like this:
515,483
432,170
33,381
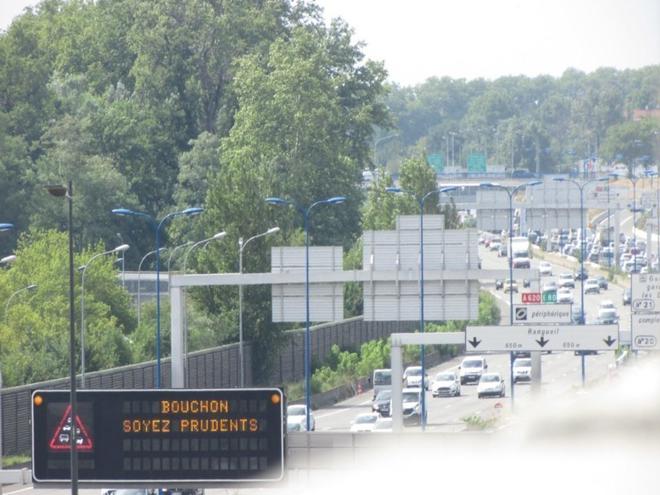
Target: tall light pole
203,243
583,243
305,212
241,247
139,287
157,226
61,191
511,191
30,288
420,202
4,227
119,249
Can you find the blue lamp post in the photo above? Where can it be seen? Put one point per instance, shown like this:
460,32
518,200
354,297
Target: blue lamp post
305,212
583,242
420,202
511,191
157,226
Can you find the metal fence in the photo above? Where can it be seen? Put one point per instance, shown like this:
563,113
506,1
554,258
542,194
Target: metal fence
210,368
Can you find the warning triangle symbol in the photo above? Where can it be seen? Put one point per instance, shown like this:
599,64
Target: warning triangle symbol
62,438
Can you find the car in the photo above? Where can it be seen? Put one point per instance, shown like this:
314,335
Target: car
446,383
364,422
565,296
383,425
545,269
602,282
549,285
297,413
494,245
581,275
381,403
522,174
381,380
295,426
527,283
521,262
576,315
412,377
566,280
627,296
499,283
502,250
510,286
472,368
606,303
522,370
608,316
591,286
490,384
411,406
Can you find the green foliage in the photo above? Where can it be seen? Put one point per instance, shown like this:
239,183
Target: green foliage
34,334
489,310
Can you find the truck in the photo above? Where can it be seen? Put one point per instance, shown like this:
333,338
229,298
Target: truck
520,252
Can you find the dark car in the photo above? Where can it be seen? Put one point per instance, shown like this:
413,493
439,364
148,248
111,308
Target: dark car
381,403
581,275
602,282
627,296
499,284
522,174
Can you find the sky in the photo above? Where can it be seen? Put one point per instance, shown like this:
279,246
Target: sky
418,39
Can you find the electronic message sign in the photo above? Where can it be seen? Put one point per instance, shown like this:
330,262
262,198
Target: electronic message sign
160,437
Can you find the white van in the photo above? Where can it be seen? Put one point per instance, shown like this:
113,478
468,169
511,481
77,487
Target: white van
381,380
472,368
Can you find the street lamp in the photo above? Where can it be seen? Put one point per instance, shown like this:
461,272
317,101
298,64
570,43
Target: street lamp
173,252
202,243
241,247
30,287
420,202
61,191
139,287
157,225
119,249
511,191
4,227
583,242
305,212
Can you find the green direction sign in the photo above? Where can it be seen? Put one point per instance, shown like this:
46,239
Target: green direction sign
436,161
549,297
476,163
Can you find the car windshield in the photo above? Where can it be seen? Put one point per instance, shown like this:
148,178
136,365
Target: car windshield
414,372
366,419
490,378
472,364
384,395
383,378
410,397
608,313
444,377
522,363
296,410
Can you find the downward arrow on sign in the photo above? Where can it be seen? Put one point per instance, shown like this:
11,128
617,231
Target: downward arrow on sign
474,342
609,341
542,341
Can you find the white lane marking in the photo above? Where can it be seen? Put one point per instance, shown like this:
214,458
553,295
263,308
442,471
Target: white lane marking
21,490
331,413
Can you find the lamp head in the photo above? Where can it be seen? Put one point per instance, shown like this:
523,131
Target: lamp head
603,179
121,248
8,259
273,230
123,212
219,235
276,201
57,190
448,189
6,226
336,200
393,189
193,211
32,287
559,179
534,183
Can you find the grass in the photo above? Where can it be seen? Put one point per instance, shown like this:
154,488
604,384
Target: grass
476,422
15,460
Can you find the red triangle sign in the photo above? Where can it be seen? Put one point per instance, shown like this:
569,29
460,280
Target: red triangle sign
62,438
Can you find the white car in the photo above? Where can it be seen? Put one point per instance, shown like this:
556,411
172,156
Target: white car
545,268
412,377
490,384
591,286
383,425
606,303
297,413
566,280
564,296
364,422
446,383
522,370
472,368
